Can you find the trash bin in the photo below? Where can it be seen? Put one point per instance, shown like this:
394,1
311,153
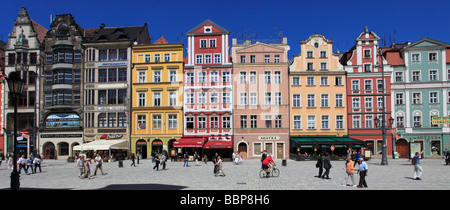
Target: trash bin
120,163
284,162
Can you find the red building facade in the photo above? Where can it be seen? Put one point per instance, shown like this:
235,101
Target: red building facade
365,92
208,94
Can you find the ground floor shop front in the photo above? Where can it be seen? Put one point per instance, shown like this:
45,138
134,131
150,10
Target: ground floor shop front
252,145
59,145
309,147
434,145
148,146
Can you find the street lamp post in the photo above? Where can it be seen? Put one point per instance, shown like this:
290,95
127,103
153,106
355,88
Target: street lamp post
15,85
383,128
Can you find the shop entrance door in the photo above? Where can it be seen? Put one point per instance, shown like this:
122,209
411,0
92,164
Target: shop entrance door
242,150
141,147
280,150
401,146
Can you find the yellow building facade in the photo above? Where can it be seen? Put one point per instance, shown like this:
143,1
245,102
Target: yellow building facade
317,92
157,98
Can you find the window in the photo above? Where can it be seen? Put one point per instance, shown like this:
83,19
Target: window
415,57
189,98
214,122
368,67
311,122
190,77
309,54
226,77
295,81
367,53
226,122
310,66
325,122
214,97
368,103
212,43
434,98
202,98
268,121
102,97
380,102
432,56
400,122
253,121
324,81
355,85
399,98
278,121
189,122
226,98
277,58
323,54
102,120
417,98
369,121
199,59
172,98
243,99
122,75
156,99
166,57
267,59
253,77
122,120
157,121
202,122
433,75
416,75
172,76
157,57
123,54
355,103
243,121
339,121
309,81
253,99
112,120
142,76
214,76
277,77
141,121
368,85
339,100
324,100
252,59
172,121
112,96
217,58
268,98
398,76
156,76
277,98
121,96
141,99
296,101
297,122
242,58
203,43
323,66
113,54
311,100
202,77
208,58
356,121
417,121
112,75
267,77
243,77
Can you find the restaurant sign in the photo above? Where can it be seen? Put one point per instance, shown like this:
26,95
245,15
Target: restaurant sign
268,138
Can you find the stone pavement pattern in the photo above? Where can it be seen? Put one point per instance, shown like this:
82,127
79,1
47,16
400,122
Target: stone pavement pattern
297,175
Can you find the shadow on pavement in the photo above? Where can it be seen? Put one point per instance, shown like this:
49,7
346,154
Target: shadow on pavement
142,187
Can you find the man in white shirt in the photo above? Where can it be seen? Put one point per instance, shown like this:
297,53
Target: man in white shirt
22,164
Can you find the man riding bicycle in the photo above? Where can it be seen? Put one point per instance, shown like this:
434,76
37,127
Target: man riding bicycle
266,163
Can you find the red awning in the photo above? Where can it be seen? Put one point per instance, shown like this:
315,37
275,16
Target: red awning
189,142
220,144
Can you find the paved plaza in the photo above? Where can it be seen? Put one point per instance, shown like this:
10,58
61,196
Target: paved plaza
297,175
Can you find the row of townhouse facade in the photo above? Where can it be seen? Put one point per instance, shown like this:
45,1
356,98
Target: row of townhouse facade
111,89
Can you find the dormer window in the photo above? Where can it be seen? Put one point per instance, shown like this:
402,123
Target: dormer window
208,29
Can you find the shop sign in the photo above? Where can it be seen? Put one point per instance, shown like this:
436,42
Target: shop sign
270,138
219,139
61,135
111,136
112,64
426,137
440,120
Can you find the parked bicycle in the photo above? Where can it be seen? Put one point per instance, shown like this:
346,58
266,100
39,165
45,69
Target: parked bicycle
271,171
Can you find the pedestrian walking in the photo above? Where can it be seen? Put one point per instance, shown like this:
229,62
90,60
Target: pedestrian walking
445,153
132,160
349,170
98,164
418,170
327,165
37,163
319,165
157,161
357,156
219,166
138,155
196,157
186,160
9,161
87,169
205,160
214,160
80,165
22,164
30,164
363,170
447,158
163,161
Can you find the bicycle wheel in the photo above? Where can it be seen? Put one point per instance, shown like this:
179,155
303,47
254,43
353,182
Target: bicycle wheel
262,174
275,172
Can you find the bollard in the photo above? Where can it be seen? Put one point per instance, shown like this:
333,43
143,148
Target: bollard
120,163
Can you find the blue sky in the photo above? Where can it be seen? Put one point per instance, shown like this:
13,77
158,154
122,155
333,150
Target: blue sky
339,20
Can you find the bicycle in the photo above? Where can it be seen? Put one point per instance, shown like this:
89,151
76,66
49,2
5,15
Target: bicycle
272,170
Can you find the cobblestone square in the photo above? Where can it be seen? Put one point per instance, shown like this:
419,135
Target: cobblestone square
297,175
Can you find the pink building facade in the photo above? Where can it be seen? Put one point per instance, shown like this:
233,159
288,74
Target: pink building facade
261,98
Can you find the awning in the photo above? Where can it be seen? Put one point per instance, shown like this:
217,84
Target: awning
220,144
102,145
189,142
325,142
